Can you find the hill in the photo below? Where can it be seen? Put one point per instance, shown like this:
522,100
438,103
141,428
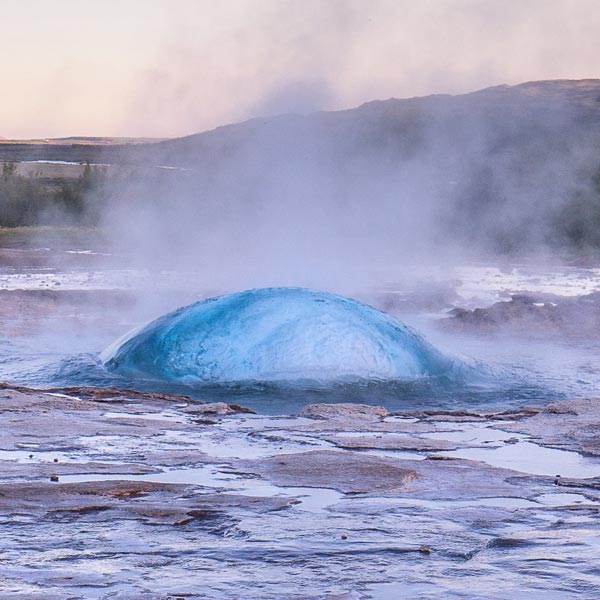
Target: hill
500,116
504,169
508,168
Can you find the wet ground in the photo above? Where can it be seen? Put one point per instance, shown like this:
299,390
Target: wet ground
58,317
119,495
446,493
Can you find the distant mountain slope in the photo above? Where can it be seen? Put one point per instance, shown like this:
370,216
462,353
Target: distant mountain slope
504,169
509,114
558,105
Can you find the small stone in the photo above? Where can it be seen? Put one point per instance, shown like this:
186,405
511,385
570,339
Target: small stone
344,536
203,421
424,550
56,460
31,456
54,478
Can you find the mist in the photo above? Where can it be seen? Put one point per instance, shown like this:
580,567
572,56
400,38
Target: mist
300,299
354,199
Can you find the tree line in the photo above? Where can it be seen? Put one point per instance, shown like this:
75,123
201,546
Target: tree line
27,200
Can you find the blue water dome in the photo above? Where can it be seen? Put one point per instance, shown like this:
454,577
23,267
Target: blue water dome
276,335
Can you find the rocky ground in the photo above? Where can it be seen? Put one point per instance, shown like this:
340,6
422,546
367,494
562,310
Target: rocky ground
114,494
538,315
119,494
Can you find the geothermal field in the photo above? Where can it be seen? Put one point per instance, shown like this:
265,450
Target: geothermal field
285,443
300,300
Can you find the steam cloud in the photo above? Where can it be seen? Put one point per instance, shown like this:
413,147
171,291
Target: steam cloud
333,200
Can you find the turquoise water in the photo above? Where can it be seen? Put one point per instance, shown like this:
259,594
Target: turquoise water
517,375
278,335
58,349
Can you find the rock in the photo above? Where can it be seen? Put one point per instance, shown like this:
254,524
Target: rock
344,411
540,315
591,483
570,425
348,473
216,408
390,442
157,538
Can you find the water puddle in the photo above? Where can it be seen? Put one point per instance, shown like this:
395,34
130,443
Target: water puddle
205,476
29,456
491,284
211,478
402,454
153,416
565,499
223,445
399,419
467,433
507,502
58,395
528,457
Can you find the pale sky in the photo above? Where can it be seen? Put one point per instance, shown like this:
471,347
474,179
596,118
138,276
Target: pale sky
174,67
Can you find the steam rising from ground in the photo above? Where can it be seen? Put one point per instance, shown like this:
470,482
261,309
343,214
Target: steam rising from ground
342,200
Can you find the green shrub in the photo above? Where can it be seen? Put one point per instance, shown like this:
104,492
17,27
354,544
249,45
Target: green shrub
29,200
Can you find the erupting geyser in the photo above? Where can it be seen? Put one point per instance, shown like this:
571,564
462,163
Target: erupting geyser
276,334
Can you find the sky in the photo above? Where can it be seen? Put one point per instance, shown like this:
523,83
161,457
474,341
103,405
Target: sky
164,68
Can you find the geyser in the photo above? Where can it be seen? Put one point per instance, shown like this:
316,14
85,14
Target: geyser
276,335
